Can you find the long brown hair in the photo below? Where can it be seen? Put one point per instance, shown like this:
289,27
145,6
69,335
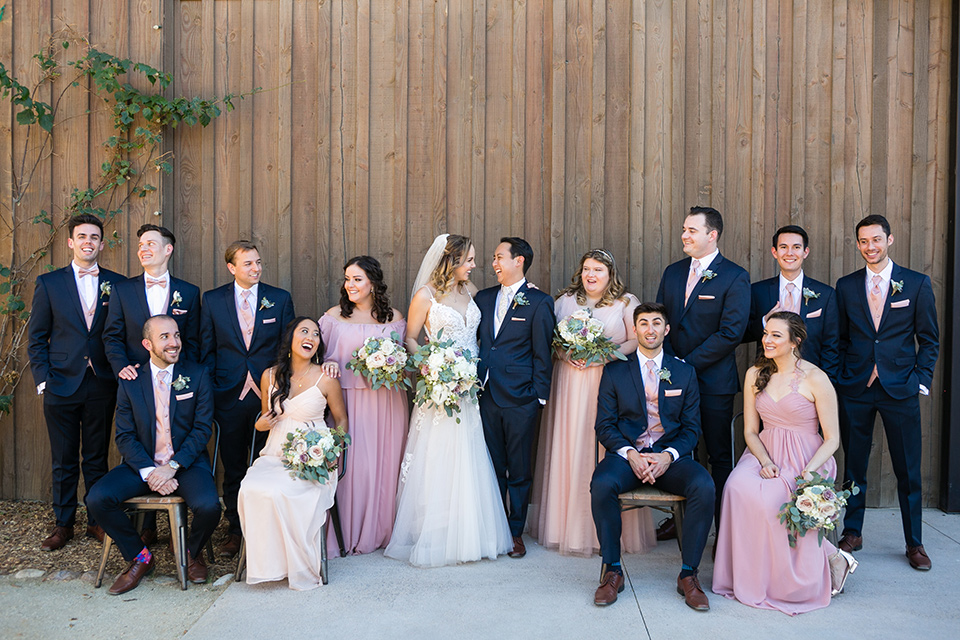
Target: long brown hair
615,287
796,332
382,311
454,254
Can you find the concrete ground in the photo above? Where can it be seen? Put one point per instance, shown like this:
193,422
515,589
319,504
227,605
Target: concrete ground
545,595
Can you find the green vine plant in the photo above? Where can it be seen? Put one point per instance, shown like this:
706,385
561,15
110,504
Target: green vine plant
133,154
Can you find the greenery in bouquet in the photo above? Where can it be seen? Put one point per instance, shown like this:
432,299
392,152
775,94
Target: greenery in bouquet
446,375
816,504
382,362
580,337
311,452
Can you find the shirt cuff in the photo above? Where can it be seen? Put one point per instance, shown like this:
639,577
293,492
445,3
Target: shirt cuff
924,391
145,472
622,452
542,402
43,386
673,453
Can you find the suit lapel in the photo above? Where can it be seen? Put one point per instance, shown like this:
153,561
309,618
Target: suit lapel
230,304
70,283
861,284
262,292
173,399
700,282
894,276
634,361
146,387
511,309
142,295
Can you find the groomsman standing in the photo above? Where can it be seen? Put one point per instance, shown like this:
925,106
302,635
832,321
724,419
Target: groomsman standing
72,374
708,300
889,342
240,328
154,292
794,291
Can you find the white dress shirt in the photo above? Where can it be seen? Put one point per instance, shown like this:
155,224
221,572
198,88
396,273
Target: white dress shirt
86,286
642,361
157,296
706,261
886,274
798,283
154,370
238,297
505,291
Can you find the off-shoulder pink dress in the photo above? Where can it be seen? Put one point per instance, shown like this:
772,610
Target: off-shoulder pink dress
560,515
755,563
367,493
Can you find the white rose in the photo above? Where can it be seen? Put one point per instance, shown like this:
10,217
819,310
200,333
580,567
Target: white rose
388,347
316,452
436,361
376,360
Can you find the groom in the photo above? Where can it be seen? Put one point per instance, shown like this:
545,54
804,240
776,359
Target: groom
516,328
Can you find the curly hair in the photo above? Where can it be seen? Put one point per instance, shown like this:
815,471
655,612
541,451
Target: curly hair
283,367
615,288
796,332
382,311
454,255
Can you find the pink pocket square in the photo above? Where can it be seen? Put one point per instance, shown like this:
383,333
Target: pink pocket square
815,314
706,297
518,319
672,392
103,304
900,304
178,312
185,396
269,320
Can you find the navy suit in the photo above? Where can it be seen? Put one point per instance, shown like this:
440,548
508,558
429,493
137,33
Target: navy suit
904,350
705,333
224,353
621,420
819,314
80,392
123,333
519,364
191,413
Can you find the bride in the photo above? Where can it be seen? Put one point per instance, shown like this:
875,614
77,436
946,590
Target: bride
449,508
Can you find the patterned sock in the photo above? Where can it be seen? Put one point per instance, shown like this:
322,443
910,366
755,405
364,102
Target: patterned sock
144,556
615,567
686,571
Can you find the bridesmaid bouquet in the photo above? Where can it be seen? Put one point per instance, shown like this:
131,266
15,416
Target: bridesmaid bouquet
311,452
445,375
382,362
816,504
580,336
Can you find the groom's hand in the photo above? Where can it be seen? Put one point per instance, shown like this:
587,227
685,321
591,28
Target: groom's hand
159,476
638,463
657,464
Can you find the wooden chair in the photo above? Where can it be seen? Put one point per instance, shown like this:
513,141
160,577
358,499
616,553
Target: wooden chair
176,508
333,513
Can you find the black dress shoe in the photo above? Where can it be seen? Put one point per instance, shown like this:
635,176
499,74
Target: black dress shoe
667,530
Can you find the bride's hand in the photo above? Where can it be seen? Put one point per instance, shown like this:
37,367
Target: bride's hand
769,471
331,369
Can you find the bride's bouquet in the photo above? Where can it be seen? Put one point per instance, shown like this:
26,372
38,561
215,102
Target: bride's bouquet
382,362
311,452
446,375
816,504
580,336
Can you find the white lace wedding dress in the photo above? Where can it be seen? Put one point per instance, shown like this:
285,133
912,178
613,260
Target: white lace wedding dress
449,508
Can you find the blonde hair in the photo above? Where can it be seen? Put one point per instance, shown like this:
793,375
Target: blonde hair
615,288
454,254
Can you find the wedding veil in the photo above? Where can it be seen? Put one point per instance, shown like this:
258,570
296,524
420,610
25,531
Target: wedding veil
430,261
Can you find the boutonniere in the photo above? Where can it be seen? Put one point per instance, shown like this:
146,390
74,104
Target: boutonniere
664,374
707,275
809,293
896,286
105,289
520,300
180,383
176,299
265,304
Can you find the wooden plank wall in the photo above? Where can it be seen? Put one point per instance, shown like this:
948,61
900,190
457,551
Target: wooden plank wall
575,123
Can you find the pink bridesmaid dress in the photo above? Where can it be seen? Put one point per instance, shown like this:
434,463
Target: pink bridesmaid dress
367,494
755,563
560,515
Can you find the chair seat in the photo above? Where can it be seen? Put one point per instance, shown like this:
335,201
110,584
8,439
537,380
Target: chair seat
153,499
649,495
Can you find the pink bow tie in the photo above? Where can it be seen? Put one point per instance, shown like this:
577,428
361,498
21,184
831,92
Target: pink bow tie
160,282
92,271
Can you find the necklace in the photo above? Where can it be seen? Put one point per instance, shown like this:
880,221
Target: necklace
299,380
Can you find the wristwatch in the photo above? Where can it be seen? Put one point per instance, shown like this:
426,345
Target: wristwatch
174,465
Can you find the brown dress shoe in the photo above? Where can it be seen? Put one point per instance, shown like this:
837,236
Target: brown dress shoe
196,568
667,530
851,543
610,586
57,538
231,547
918,558
692,593
131,577
95,531
148,537
519,550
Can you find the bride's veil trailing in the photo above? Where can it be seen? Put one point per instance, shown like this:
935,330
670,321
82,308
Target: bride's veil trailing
430,261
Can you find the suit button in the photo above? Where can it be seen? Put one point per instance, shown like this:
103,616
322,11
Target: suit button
85,357
493,348
876,342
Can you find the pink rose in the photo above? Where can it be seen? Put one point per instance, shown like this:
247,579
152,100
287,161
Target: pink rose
805,504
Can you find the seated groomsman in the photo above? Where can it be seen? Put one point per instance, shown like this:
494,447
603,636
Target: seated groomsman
889,342
72,373
240,328
648,418
163,425
794,291
708,298
155,292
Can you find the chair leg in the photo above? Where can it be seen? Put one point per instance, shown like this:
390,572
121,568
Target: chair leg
323,550
107,543
678,509
212,558
178,528
335,516
241,562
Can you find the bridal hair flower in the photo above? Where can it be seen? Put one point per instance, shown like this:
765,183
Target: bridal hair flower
105,289
897,286
180,383
707,275
265,304
520,300
176,299
809,293
664,374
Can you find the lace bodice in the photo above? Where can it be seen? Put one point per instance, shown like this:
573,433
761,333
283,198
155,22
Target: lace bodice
463,333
